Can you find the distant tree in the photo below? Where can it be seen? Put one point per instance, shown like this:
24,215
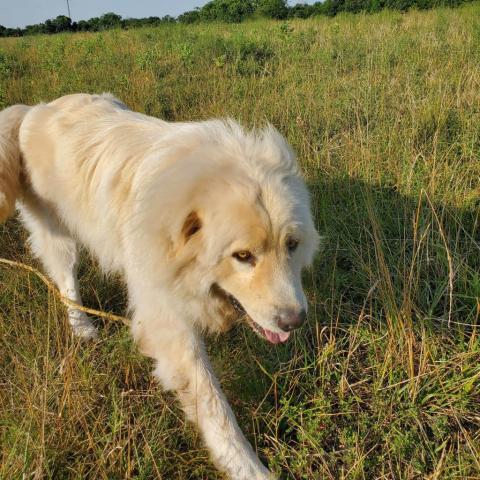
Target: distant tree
232,11
35,29
277,9
92,25
226,11
402,5
356,6
13,32
147,21
375,5
109,20
319,8
192,16
83,26
300,10
58,24
327,7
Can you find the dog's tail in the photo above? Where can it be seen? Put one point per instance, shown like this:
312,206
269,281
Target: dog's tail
10,158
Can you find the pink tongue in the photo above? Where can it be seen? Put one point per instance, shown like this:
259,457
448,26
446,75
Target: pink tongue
273,337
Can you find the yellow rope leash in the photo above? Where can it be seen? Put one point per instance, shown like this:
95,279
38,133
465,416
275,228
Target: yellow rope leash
65,300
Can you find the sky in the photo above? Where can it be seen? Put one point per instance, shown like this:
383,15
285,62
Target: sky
18,13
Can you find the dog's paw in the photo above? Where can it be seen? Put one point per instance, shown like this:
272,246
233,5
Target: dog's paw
267,475
82,326
253,472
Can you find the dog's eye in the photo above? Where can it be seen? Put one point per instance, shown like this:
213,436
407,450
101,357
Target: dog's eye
243,256
292,244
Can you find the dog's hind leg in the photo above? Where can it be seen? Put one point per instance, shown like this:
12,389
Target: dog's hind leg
57,250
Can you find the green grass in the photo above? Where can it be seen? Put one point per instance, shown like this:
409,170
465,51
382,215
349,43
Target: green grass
384,383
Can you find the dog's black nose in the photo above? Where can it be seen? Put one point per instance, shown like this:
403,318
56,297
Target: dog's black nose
291,319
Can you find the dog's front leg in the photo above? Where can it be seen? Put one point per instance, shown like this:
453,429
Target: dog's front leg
182,366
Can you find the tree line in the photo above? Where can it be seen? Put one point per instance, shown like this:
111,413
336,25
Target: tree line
231,11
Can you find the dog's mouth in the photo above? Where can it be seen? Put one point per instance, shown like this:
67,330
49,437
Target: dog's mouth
272,337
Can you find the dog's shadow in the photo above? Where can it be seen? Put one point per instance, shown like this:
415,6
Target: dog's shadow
377,239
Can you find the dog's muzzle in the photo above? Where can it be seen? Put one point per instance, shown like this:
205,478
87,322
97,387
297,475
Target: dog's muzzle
287,321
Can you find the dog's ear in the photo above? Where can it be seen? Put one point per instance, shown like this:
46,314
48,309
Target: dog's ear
191,225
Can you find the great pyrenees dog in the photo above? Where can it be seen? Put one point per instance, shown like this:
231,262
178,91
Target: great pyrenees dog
207,223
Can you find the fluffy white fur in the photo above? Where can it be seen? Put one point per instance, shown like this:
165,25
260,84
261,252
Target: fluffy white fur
207,223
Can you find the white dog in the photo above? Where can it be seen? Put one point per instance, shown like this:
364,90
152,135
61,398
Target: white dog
206,223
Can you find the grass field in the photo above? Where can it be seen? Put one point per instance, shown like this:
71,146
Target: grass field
384,383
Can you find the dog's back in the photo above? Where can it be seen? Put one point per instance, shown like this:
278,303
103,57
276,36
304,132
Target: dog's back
80,154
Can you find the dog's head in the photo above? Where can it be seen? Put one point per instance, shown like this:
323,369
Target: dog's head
248,234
